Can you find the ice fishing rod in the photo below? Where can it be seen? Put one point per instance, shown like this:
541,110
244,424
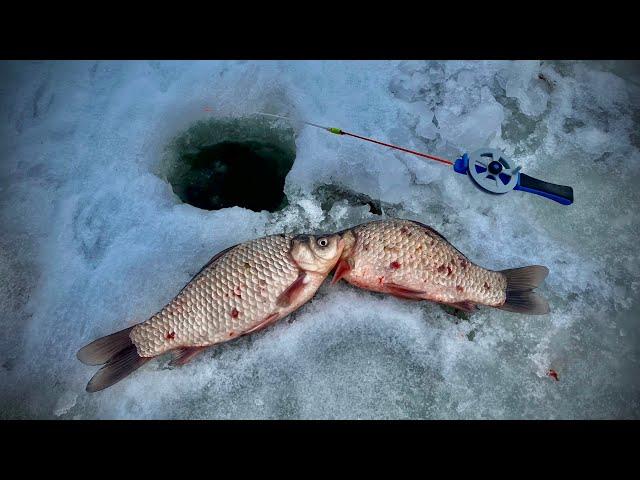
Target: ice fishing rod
488,168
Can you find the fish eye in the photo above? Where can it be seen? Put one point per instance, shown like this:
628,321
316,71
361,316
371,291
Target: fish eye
323,242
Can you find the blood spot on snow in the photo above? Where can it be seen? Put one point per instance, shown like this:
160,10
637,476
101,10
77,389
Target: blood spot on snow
395,265
235,313
170,335
553,374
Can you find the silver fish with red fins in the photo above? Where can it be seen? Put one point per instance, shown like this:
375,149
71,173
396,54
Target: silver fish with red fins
241,290
411,260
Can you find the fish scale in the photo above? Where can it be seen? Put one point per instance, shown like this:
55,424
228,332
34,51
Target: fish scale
209,310
241,290
407,254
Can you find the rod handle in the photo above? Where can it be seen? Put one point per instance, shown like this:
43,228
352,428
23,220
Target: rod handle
559,193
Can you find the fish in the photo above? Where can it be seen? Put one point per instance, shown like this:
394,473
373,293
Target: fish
411,260
241,290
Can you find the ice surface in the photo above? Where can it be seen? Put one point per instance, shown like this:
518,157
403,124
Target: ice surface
93,239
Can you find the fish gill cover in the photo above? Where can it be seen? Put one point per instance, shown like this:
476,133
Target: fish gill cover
96,236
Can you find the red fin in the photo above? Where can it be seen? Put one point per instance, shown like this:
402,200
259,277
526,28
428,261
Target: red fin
184,355
465,306
342,269
263,324
403,292
287,297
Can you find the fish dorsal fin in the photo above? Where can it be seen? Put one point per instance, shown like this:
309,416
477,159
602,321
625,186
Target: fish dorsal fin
287,297
430,229
437,234
209,263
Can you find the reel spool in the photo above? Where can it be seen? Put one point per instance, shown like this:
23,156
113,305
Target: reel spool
492,172
488,169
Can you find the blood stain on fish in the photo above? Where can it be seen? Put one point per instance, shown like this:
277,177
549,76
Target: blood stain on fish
234,313
449,271
170,335
395,265
441,268
486,286
459,288
380,280
553,374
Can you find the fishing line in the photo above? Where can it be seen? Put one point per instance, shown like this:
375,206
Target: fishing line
489,169
339,131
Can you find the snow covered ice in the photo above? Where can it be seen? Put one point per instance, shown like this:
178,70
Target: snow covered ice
93,238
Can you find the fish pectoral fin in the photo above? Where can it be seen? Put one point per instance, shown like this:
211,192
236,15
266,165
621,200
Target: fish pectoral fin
403,292
184,355
263,324
289,296
465,306
342,269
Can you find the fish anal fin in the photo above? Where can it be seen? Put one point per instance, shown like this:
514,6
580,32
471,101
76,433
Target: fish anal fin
289,296
465,306
263,324
403,292
184,355
342,269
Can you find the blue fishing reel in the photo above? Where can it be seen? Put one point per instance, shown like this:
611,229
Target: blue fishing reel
492,172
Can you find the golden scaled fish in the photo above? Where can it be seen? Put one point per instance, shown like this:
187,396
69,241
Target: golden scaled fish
241,290
411,260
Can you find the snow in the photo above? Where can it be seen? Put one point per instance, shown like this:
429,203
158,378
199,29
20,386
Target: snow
93,239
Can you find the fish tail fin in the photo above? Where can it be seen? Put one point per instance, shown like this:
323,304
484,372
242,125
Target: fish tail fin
520,295
119,355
